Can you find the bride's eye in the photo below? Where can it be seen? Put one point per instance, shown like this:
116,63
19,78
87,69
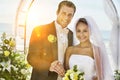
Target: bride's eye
85,31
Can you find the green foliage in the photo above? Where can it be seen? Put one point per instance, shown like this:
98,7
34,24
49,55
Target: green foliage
13,65
117,75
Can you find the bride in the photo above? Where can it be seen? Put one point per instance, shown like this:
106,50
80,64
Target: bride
90,54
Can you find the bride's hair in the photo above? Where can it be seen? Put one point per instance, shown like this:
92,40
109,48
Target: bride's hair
81,20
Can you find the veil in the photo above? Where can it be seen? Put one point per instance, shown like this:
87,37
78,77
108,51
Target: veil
111,9
96,39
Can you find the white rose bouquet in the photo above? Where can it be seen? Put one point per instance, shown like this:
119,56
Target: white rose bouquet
74,74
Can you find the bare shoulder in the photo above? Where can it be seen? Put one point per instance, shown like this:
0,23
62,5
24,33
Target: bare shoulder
70,50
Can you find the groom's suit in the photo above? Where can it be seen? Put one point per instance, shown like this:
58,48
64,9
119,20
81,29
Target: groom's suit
42,52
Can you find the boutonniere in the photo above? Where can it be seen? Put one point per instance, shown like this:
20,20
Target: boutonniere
52,38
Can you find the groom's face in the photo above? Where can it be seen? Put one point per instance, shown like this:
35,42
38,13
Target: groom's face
65,15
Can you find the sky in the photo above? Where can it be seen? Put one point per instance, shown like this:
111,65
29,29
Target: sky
8,10
92,8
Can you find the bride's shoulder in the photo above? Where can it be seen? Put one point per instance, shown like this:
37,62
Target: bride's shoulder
70,49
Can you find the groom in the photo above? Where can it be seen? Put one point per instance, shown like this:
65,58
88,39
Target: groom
49,42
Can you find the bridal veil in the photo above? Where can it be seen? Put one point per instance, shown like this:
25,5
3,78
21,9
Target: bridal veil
96,39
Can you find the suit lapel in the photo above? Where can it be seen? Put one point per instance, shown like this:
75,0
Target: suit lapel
70,38
52,30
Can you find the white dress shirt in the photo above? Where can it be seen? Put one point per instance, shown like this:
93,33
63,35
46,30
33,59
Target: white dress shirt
62,34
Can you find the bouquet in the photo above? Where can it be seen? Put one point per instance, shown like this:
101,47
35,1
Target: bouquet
74,74
13,65
117,75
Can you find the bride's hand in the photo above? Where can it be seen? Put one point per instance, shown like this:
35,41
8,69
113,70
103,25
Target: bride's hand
57,67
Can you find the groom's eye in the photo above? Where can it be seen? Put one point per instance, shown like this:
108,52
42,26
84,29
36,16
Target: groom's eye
85,31
78,31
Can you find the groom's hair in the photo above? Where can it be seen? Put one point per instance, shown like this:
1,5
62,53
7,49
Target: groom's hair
66,3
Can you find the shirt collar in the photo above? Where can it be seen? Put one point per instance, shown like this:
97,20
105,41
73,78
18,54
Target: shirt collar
59,26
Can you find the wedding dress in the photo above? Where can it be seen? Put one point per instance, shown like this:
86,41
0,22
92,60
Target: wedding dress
84,63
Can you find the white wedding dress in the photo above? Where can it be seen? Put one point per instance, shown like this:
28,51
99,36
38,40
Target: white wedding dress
84,63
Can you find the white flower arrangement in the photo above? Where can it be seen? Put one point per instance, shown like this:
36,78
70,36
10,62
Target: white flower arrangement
13,65
74,74
117,75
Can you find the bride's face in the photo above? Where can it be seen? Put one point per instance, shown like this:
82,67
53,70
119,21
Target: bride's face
82,32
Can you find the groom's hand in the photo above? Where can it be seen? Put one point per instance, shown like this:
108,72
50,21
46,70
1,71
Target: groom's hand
57,67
